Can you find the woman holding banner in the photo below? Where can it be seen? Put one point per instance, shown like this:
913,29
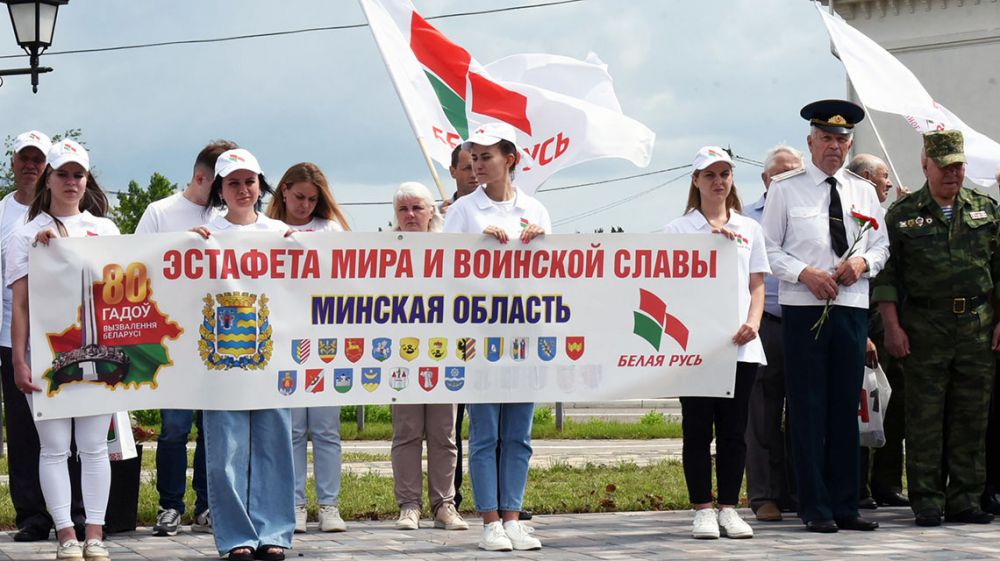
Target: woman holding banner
303,201
248,454
415,211
68,203
500,210
714,207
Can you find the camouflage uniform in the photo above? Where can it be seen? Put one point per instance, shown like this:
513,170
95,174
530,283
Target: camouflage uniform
948,271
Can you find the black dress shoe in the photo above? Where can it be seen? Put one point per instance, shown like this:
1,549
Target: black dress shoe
990,503
970,516
822,526
867,503
524,515
893,498
928,517
31,534
856,523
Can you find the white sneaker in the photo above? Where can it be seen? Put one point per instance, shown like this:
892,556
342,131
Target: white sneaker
706,524
495,538
448,518
330,520
300,519
520,536
732,526
70,550
202,522
94,550
409,518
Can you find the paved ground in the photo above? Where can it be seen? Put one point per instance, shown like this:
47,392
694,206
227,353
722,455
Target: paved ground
633,536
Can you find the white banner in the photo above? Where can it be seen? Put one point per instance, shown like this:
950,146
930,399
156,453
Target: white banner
254,320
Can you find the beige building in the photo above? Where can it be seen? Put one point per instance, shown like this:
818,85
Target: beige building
953,47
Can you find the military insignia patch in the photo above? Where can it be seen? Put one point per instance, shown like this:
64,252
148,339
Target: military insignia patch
454,377
286,382
518,348
494,348
574,347
354,349
314,380
371,378
399,378
920,221
327,349
300,350
547,348
381,348
465,348
409,348
343,379
437,348
427,377
235,331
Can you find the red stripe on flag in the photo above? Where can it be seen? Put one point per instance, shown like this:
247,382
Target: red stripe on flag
652,306
677,330
447,60
494,100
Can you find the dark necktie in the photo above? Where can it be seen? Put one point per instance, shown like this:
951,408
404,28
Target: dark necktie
838,234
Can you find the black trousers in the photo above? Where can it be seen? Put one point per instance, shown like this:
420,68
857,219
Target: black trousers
728,417
22,456
459,417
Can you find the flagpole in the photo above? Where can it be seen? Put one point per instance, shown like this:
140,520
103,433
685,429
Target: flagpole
406,109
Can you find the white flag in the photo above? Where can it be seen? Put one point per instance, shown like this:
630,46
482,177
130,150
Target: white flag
885,84
564,110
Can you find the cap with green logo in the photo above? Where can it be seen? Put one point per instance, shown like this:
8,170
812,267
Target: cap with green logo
945,148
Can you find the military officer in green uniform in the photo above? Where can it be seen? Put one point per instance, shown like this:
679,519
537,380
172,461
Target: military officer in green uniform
944,258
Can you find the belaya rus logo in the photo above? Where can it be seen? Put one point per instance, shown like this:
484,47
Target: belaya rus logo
652,321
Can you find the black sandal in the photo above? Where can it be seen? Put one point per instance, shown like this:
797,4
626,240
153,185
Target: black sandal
242,553
264,553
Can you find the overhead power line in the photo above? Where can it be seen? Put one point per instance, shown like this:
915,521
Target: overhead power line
617,203
288,32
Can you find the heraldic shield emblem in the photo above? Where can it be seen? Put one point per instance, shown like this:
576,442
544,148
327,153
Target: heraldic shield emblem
437,348
354,349
465,348
381,348
287,380
399,378
547,348
343,379
327,349
494,348
454,377
519,348
428,377
575,347
300,350
371,378
235,331
409,348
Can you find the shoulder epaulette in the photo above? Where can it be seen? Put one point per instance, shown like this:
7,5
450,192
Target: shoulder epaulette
787,174
866,180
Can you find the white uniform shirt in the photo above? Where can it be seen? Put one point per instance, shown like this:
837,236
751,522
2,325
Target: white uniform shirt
752,257
77,226
797,227
263,224
173,214
318,224
474,212
12,217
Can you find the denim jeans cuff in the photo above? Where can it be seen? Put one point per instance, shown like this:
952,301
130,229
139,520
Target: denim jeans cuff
511,508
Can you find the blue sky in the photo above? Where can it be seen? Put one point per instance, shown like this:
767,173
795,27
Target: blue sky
726,72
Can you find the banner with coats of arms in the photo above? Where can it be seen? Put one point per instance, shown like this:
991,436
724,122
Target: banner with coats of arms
256,320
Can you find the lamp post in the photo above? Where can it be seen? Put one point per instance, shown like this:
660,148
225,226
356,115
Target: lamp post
34,23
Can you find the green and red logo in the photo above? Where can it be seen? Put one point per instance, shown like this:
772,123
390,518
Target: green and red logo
652,321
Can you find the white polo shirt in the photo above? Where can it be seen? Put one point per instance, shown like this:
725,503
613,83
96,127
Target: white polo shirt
12,216
318,224
77,226
173,214
263,224
474,212
752,255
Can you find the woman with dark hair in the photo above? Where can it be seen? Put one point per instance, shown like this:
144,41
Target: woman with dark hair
248,454
304,201
68,203
501,210
714,207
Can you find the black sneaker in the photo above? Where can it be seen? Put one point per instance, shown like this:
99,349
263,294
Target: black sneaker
167,522
970,516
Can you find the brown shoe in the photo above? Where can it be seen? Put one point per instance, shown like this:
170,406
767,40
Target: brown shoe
769,512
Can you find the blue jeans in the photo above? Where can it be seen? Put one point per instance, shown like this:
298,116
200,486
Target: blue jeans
323,423
171,460
250,485
499,485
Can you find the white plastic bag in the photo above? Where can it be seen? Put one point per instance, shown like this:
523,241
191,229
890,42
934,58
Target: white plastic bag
121,442
875,393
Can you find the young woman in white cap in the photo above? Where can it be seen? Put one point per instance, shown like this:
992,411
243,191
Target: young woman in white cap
501,210
303,201
68,203
248,454
714,207
415,211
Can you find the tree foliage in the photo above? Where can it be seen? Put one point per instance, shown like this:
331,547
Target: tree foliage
7,173
133,203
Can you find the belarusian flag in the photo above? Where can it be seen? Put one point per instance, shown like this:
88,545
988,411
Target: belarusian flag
565,110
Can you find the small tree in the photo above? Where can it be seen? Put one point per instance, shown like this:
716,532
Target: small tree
132,204
7,173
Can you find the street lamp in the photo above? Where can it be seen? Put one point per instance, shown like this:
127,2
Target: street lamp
34,23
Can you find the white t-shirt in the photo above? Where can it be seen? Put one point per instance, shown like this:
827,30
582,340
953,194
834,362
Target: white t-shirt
318,224
12,217
263,224
752,259
474,212
173,214
77,226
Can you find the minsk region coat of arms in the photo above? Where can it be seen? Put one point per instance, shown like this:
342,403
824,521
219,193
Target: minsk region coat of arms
235,332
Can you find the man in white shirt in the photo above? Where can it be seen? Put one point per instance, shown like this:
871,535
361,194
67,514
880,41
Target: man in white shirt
819,247
178,213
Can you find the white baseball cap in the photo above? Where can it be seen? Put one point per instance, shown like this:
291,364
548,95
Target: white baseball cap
66,151
236,159
32,138
489,134
709,155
